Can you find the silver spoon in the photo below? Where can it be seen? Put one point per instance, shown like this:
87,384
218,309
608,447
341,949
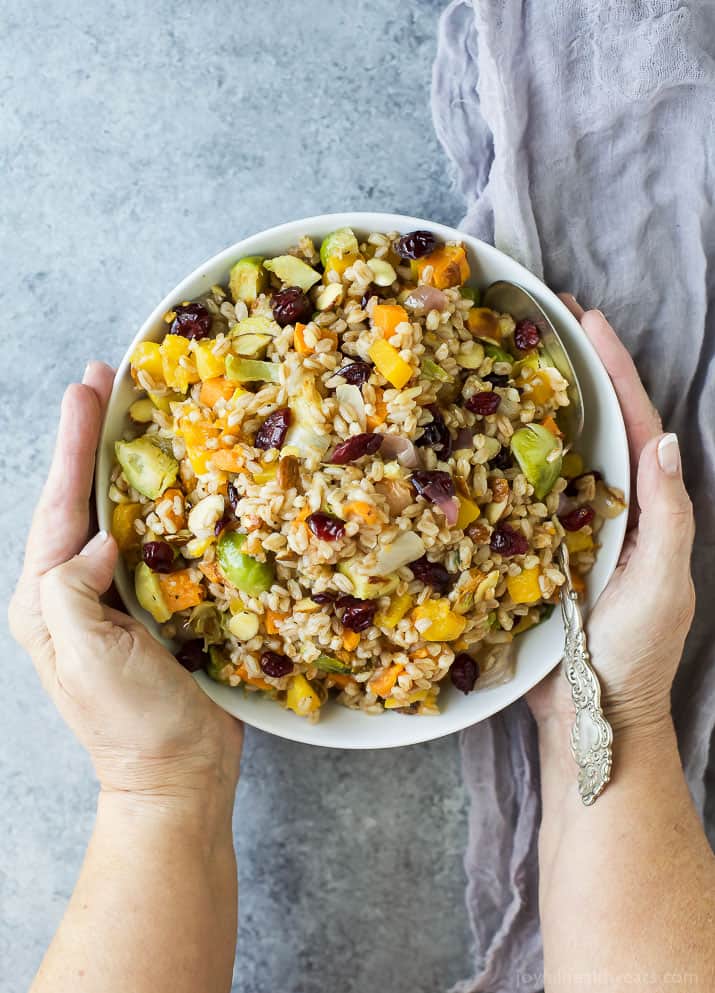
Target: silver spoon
591,735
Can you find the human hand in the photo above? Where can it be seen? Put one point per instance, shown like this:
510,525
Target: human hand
637,629
148,727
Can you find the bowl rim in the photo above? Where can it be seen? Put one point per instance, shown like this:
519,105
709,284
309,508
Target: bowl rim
375,221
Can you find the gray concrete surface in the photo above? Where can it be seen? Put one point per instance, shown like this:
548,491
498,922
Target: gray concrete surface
137,140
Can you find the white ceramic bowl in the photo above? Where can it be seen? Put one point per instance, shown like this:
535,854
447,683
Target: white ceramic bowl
539,650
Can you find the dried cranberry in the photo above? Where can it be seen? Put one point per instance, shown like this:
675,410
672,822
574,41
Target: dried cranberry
355,447
433,484
272,433
357,614
415,244
483,404
436,435
192,321
431,574
276,665
233,495
357,373
192,655
327,527
526,335
496,379
291,306
506,541
464,672
158,555
578,518
323,598
503,459
572,487
221,523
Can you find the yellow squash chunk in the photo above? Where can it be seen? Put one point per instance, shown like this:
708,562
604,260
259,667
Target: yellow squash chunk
525,588
301,697
416,696
218,388
572,465
536,386
484,323
578,541
351,639
146,356
208,365
445,625
449,266
123,517
468,512
392,616
180,591
365,511
390,363
266,473
386,317
339,264
174,348
382,683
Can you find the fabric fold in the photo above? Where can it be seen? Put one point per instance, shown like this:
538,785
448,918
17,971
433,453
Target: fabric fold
581,136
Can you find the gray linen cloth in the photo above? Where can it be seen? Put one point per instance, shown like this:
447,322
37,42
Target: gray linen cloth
582,137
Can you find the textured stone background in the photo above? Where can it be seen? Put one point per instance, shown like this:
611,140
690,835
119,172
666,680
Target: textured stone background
137,140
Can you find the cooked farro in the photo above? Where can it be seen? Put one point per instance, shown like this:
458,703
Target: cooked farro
344,478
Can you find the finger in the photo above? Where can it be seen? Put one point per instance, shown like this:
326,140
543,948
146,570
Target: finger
665,530
573,305
640,416
70,593
59,526
100,377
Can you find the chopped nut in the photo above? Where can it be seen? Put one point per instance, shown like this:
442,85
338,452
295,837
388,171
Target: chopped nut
288,475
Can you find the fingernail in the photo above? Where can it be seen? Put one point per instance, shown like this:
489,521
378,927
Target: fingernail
669,454
95,543
572,298
85,374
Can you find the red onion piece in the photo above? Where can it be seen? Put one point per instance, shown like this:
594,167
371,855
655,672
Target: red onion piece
395,447
426,298
450,508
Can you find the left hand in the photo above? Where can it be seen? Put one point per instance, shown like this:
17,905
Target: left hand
148,727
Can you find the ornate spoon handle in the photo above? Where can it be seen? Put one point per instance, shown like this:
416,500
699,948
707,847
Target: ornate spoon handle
591,735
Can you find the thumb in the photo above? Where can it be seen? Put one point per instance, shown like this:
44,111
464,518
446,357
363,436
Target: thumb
70,592
665,528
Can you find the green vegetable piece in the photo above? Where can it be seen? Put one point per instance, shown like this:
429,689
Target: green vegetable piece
149,595
246,573
247,279
217,663
495,352
470,293
337,244
538,453
146,467
328,664
546,612
241,370
293,271
258,324
367,587
493,620
430,370
251,345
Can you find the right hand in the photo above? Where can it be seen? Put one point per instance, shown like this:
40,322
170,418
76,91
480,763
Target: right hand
149,728
638,627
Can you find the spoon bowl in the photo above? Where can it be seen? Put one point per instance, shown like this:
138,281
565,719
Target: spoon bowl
510,298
